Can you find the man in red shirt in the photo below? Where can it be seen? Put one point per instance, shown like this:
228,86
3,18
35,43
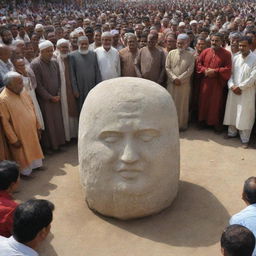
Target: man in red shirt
214,67
9,179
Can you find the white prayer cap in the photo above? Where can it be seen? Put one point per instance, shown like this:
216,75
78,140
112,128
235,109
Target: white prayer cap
192,22
79,30
73,33
17,42
182,37
62,41
106,34
45,44
114,32
182,24
39,26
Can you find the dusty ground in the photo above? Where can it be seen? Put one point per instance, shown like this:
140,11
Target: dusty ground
212,174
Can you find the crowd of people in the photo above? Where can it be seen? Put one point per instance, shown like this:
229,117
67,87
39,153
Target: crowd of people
52,55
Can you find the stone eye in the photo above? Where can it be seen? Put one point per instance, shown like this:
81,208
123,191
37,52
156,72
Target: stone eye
149,135
110,137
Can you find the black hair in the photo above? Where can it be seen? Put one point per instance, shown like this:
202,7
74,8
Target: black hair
250,190
89,30
218,35
9,173
198,39
204,29
237,240
30,218
21,26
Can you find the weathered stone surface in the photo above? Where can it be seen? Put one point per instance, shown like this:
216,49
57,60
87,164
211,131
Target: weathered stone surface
129,148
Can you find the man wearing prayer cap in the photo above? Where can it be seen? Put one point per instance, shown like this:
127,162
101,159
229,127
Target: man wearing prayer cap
20,125
68,99
85,72
179,68
116,40
193,25
39,30
73,40
108,58
182,27
48,92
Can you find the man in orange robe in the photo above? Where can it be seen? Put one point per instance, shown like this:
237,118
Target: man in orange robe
20,124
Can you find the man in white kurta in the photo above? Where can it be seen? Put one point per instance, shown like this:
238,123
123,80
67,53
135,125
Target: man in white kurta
108,58
240,106
179,67
70,120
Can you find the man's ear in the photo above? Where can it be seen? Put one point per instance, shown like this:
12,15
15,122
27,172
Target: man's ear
244,197
42,234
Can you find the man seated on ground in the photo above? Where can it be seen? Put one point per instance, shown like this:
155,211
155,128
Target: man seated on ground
31,225
9,179
247,217
237,240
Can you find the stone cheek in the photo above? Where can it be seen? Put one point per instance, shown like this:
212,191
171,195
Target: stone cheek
129,148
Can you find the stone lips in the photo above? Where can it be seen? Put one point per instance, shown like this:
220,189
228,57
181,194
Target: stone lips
129,148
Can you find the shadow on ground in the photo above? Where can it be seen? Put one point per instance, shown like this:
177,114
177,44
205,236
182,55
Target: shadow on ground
191,221
208,134
30,188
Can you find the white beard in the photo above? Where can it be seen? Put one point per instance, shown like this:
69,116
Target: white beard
84,52
181,50
63,55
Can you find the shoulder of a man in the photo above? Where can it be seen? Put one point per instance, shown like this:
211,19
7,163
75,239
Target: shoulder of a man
9,246
239,217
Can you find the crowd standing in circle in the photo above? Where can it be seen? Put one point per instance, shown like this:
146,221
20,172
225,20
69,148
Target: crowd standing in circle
52,55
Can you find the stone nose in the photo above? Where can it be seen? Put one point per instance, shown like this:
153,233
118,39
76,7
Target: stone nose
129,154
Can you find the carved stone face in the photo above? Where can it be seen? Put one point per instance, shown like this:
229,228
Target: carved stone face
129,148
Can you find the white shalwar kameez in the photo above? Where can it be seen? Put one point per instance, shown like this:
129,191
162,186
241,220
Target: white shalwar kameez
240,109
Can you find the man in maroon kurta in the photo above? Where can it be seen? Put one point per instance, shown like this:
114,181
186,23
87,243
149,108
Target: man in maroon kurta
215,65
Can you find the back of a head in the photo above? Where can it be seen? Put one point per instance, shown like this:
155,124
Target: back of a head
237,240
9,173
250,190
30,218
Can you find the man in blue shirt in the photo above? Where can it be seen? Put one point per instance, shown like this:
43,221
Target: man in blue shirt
31,225
247,217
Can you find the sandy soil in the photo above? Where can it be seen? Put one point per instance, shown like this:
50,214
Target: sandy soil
212,174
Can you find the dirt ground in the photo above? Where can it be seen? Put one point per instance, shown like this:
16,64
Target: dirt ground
212,174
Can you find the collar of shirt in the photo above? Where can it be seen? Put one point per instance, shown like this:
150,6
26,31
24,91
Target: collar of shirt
21,247
251,206
107,52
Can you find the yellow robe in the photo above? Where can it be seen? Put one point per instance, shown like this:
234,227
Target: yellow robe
20,123
4,151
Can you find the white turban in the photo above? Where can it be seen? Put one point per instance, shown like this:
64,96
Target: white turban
114,32
17,42
39,26
193,22
79,30
182,24
45,44
182,37
62,41
106,34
